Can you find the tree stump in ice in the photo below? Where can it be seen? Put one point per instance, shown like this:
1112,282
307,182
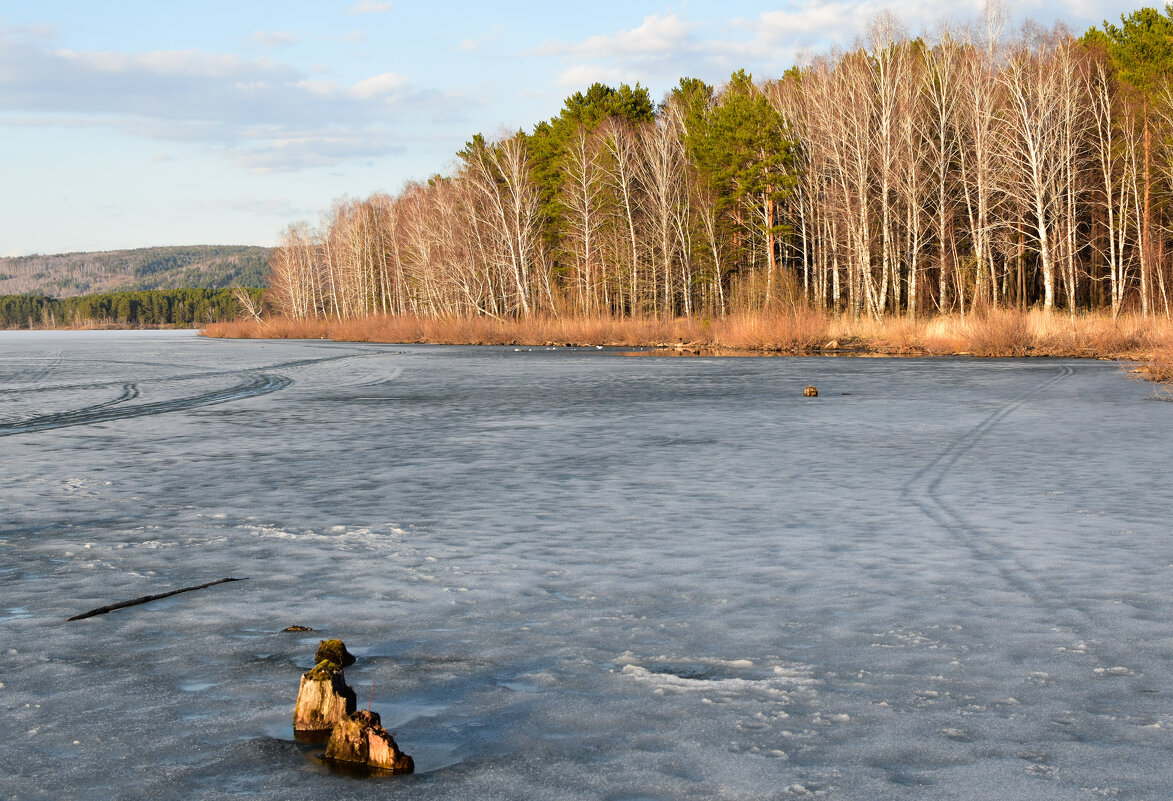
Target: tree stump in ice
361,738
334,651
810,392
323,698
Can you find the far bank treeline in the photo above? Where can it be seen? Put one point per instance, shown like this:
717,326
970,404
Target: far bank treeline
148,309
977,169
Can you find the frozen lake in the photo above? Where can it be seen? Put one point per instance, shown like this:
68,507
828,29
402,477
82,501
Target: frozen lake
575,575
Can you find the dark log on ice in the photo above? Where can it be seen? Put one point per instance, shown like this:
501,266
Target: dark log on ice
101,610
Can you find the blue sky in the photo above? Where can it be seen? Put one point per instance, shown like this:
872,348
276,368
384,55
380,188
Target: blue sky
128,124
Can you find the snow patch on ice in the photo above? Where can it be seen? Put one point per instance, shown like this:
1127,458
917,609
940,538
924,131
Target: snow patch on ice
717,676
629,658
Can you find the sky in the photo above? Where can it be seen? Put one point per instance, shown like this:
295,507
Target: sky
131,124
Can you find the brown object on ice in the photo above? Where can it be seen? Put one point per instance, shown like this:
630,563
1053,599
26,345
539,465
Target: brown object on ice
323,699
810,392
360,737
297,628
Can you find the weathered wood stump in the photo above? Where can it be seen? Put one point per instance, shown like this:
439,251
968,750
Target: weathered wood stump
323,698
810,392
360,737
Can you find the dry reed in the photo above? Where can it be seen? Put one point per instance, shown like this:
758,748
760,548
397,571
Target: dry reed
1159,366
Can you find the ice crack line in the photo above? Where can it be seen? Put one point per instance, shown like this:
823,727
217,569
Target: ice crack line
259,384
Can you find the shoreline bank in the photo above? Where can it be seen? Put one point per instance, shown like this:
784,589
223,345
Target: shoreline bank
996,333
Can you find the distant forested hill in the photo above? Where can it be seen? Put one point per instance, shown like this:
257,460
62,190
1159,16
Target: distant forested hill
192,267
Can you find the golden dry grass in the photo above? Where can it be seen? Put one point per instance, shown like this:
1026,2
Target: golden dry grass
797,331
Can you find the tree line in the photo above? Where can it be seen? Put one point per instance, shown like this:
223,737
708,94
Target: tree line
147,309
974,169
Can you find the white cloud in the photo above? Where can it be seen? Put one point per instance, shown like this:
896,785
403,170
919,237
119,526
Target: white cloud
368,7
263,206
664,47
161,63
379,86
321,88
386,85
262,114
655,35
583,75
828,19
312,148
821,25
659,48
274,39
473,45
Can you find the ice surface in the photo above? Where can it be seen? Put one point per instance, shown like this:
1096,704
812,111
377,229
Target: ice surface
574,575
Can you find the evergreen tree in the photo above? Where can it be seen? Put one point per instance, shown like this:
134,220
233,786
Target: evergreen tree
1141,49
547,143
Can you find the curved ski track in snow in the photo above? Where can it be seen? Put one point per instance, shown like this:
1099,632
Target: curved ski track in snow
923,491
188,377
258,384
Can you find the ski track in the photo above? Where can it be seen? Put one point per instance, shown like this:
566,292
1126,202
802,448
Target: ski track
259,381
259,384
923,491
129,392
40,369
291,365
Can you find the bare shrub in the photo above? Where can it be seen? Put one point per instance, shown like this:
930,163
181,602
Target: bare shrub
1159,367
798,331
998,333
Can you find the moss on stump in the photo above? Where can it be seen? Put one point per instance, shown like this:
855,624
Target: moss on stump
335,651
